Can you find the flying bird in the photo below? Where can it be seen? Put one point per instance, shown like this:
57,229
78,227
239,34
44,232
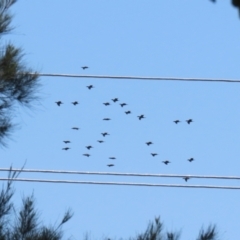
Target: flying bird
110,165
123,104
89,147
166,162
106,103
75,128
141,116
149,143
66,141
66,148
128,112
154,154
186,178
85,67
59,103
113,158
75,103
100,141
86,155
176,121
191,159
189,121
105,134
90,87
115,99
106,119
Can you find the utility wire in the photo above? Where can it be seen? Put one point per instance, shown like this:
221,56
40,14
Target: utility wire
120,174
139,78
120,183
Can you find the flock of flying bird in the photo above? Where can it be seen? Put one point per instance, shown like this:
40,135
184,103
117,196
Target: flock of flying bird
104,134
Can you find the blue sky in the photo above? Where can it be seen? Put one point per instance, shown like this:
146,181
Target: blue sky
130,38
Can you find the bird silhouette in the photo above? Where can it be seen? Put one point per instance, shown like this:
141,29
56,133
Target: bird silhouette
191,159
100,141
66,148
106,119
105,134
128,112
176,121
85,67
189,121
113,158
75,103
75,128
123,104
90,87
89,147
66,141
59,103
186,178
110,165
154,154
149,143
166,162
141,117
106,103
115,99
86,155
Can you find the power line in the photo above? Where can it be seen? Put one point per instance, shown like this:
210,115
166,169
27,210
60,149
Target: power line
120,183
120,174
139,78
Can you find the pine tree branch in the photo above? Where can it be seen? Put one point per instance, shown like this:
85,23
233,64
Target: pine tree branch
209,234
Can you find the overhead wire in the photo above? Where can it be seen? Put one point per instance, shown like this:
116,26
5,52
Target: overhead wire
121,183
118,183
138,78
120,174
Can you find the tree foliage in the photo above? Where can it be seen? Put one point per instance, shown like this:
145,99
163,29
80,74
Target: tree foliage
154,231
18,84
235,3
24,224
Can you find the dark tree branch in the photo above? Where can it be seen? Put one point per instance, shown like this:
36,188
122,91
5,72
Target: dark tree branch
209,234
17,85
26,226
5,17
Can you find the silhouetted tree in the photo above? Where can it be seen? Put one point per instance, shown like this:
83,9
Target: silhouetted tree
235,3
18,84
24,224
154,231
